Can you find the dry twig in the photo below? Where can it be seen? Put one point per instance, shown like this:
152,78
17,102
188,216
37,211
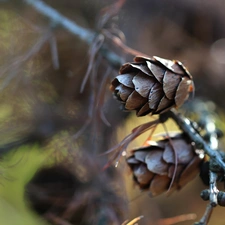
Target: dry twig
84,34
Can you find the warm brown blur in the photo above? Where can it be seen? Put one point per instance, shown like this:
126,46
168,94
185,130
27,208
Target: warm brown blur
42,67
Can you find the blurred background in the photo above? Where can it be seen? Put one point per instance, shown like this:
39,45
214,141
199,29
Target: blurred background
52,134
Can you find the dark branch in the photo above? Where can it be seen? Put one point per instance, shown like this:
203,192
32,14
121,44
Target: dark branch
186,126
84,34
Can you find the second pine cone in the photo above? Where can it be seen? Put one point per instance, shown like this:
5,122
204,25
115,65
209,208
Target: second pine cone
154,166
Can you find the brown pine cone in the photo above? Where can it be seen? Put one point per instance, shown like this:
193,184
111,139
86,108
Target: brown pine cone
153,166
152,85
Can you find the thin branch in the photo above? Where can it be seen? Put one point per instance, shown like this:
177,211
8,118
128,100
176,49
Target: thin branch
176,219
58,19
208,124
213,143
122,146
121,45
213,188
206,217
110,11
175,157
14,67
132,222
54,52
101,95
84,34
186,126
96,45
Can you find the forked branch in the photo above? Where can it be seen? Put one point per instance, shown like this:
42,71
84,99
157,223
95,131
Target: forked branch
84,34
186,126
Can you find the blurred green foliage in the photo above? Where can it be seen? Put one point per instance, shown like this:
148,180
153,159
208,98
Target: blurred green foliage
17,168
